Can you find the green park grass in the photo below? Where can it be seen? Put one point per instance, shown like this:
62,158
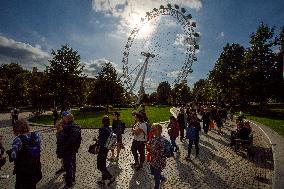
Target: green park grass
93,119
271,115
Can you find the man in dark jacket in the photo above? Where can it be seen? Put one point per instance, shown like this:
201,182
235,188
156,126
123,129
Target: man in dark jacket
206,120
68,143
55,116
181,123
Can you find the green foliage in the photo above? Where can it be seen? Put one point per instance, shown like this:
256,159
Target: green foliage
107,88
66,81
200,90
163,92
261,65
247,75
13,85
225,76
153,97
145,98
181,93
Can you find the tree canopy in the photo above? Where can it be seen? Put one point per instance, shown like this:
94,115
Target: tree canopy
66,81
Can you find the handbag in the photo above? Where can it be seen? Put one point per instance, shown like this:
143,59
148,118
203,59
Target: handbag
94,148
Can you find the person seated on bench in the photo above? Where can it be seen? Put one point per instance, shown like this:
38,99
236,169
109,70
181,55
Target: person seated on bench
243,133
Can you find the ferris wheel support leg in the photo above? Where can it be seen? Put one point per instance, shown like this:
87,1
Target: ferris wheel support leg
136,79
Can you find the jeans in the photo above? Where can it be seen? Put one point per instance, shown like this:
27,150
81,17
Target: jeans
101,163
205,127
157,176
69,163
190,143
138,146
173,142
23,183
181,133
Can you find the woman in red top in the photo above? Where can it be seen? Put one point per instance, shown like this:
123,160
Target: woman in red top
173,131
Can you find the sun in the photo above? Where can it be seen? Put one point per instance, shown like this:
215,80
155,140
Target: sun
146,28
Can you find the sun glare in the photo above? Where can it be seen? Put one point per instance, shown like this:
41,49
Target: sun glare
146,28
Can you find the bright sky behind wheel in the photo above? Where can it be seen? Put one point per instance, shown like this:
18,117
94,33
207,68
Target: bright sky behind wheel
99,29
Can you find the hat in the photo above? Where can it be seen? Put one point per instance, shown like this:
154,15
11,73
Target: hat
65,113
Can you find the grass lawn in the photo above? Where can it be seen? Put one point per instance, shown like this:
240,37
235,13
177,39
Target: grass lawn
93,119
271,115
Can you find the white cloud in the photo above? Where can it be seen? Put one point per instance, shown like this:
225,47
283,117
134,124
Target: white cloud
131,11
93,67
150,84
222,34
23,53
173,74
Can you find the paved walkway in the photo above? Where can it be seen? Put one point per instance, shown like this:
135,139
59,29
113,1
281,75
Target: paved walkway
218,166
277,143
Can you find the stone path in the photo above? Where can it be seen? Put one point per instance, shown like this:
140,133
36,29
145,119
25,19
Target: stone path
218,166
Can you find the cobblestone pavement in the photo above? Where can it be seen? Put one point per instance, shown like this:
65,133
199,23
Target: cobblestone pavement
217,167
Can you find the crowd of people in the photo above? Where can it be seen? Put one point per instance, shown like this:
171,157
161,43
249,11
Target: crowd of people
148,143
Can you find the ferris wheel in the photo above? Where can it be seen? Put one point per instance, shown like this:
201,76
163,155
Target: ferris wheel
165,49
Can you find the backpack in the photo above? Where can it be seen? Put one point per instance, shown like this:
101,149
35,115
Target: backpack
147,134
28,160
173,130
169,149
111,140
75,137
191,133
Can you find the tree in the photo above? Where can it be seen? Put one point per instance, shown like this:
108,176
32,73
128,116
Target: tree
261,65
278,88
225,76
199,91
66,81
13,85
38,95
153,98
181,93
163,92
107,88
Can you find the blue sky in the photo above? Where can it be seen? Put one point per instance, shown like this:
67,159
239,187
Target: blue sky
99,29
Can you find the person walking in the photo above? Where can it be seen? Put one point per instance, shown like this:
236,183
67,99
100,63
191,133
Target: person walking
118,128
206,120
25,153
219,121
192,135
139,131
59,130
68,144
158,160
15,115
104,134
173,131
181,123
55,116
